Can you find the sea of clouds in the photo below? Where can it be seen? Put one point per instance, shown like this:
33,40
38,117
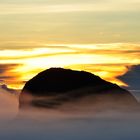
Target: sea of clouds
56,125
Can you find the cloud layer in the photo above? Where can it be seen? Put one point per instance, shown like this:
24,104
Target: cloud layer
132,77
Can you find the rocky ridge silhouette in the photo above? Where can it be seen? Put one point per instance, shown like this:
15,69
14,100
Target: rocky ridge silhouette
54,87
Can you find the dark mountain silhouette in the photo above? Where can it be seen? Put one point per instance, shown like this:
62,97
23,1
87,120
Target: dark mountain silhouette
56,86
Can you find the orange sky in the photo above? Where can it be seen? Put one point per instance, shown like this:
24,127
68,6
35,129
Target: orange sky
99,36
106,60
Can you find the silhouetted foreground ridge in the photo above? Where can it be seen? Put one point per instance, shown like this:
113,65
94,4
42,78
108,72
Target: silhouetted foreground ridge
65,85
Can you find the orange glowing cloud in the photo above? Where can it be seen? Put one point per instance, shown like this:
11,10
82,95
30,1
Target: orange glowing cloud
106,60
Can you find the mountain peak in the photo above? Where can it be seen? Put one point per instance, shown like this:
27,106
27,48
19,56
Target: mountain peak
64,85
61,80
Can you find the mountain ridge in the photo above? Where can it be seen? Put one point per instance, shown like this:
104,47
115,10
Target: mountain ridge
65,85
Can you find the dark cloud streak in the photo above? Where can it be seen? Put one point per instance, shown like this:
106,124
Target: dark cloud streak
6,67
5,72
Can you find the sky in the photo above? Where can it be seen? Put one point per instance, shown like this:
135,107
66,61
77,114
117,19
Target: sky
99,36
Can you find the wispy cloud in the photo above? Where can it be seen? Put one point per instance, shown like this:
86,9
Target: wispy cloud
60,8
111,60
8,76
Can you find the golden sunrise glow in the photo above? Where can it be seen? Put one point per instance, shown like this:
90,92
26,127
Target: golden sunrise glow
99,36
104,61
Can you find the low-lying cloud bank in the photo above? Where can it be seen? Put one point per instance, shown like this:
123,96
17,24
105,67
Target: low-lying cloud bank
132,77
8,103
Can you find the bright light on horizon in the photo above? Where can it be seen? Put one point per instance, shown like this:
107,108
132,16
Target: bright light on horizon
104,61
